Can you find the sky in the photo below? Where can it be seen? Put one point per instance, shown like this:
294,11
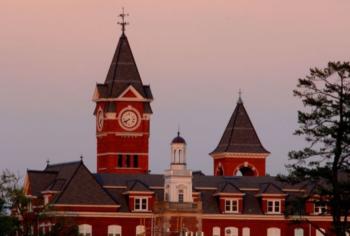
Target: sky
195,54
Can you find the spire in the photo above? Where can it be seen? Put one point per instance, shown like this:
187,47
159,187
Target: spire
123,70
240,96
240,135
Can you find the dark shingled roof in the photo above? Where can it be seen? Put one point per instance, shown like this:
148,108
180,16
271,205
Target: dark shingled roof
138,186
228,188
76,185
240,135
270,188
122,73
84,189
178,139
40,180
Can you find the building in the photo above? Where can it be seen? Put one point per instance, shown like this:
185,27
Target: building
123,198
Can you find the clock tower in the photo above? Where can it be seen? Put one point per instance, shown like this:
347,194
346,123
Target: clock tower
123,114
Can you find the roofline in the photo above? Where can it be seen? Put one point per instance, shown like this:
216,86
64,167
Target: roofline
43,171
229,194
239,154
84,205
63,163
138,192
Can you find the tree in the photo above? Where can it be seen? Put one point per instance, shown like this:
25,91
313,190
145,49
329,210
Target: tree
325,124
8,197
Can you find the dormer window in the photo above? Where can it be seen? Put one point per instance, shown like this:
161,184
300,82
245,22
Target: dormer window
320,208
231,206
141,204
273,206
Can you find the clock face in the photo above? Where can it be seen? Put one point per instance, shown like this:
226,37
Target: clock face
99,120
129,119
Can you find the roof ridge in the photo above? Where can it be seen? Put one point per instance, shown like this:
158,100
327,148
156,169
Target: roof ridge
103,189
233,124
62,163
68,182
43,171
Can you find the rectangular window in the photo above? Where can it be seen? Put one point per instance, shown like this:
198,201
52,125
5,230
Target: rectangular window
120,160
136,161
273,206
231,205
127,161
141,204
320,208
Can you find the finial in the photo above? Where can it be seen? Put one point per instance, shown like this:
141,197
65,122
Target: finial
123,23
178,130
47,161
81,158
240,96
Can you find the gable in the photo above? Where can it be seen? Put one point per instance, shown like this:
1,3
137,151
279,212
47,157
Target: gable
131,92
83,189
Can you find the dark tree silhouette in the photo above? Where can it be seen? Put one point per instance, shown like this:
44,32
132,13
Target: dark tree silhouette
325,124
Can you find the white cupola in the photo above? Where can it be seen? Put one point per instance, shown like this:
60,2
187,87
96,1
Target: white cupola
178,150
178,179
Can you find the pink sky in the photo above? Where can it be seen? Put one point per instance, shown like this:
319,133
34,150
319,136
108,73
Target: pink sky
195,55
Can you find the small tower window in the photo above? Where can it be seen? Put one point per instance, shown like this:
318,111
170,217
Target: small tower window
127,161
219,171
181,196
120,160
136,161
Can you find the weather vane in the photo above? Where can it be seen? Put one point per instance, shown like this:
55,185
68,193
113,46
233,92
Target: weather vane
123,23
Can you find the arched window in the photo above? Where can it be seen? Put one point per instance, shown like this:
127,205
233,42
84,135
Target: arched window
216,231
273,231
181,196
231,231
114,230
246,231
219,170
140,230
298,232
85,230
320,231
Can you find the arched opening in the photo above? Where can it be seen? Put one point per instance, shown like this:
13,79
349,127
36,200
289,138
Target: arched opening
219,170
246,171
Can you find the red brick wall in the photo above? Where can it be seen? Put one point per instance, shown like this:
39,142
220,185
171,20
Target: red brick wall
230,165
109,142
259,227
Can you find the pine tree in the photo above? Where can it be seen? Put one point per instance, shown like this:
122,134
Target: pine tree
325,124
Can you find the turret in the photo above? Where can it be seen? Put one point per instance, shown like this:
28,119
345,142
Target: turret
178,179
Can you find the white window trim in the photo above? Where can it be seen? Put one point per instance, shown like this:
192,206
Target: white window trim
231,205
85,229
245,231
273,207
216,231
319,209
140,199
114,230
140,230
